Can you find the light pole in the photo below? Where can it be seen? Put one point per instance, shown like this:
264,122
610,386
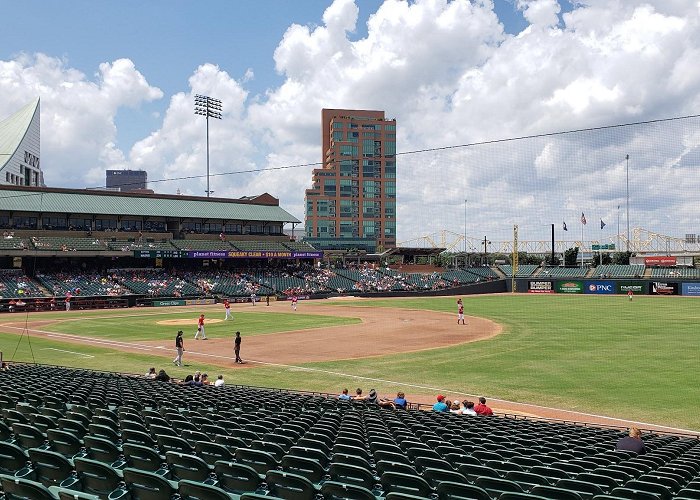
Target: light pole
618,229
627,158
209,108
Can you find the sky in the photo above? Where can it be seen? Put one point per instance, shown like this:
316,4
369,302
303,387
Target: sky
117,81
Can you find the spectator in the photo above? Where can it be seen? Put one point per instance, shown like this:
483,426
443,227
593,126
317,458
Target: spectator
205,379
632,443
219,381
344,396
481,409
468,408
189,380
455,407
440,406
400,401
151,373
162,376
197,381
358,394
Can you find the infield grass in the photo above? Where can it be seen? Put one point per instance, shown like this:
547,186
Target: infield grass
596,354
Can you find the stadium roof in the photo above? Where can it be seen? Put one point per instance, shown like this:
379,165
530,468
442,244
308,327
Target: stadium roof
53,200
13,129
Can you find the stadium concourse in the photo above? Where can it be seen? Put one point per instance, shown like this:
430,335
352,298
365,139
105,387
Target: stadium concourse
80,434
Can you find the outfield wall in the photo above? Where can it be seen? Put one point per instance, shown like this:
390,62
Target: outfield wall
608,286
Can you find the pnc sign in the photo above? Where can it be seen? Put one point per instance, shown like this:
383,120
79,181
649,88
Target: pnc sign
600,287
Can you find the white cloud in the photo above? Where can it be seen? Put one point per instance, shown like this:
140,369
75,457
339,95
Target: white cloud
450,75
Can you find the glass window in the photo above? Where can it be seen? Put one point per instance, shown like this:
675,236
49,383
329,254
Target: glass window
390,148
390,209
192,227
368,209
24,222
369,189
367,228
105,224
390,127
337,135
390,170
53,222
390,189
154,226
130,225
346,229
346,167
345,208
345,187
352,136
212,227
390,228
337,125
348,150
80,224
329,187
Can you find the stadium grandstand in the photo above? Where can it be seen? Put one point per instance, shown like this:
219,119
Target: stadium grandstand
67,433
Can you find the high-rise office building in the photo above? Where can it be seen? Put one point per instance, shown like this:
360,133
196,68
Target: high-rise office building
126,180
352,203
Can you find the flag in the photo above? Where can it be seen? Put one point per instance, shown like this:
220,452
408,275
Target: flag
583,219
564,224
602,224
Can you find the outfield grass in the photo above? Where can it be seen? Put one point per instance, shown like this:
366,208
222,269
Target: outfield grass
594,354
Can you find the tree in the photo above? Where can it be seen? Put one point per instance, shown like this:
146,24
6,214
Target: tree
571,256
552,261
621,258
602,258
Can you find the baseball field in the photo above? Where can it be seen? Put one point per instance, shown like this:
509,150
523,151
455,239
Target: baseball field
586,357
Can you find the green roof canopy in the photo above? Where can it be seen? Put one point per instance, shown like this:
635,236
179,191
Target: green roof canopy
101,203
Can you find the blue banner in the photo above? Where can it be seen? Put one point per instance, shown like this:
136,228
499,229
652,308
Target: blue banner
691,289
599,287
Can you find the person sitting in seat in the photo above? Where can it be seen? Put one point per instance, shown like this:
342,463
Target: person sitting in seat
633,442
400,401
481,409
440,405
344,396
468,408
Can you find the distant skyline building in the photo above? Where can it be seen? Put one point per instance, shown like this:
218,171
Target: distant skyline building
20,147
126,180
352,203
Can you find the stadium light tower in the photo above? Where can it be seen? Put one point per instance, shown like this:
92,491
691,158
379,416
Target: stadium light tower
627,158
209,108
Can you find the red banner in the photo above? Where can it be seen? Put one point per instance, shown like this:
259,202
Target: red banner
659,261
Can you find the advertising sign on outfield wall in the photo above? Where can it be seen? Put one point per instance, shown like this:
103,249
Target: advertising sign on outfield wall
691,289
637,287
570,287
168,303
540,287
664,288
599,287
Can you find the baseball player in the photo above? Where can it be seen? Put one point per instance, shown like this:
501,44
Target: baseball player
180,348
227,308
295,299
200,328
460,312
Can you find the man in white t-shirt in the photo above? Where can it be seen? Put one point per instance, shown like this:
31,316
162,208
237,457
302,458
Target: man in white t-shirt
219,381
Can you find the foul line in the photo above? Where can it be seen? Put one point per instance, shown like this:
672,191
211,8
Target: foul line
69,352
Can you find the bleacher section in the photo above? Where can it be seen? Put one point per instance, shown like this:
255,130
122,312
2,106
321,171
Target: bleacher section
125,437
131,244
67,244
155,283
563,272
202,245
483,272
524,270
14,284
80,284
619,271
7,243
675,272
225,283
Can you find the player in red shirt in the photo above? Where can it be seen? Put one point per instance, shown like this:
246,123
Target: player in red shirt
630,294
200,328
295,299
227,308
460,312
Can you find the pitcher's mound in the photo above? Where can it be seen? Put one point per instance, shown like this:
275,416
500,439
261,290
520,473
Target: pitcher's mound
191,322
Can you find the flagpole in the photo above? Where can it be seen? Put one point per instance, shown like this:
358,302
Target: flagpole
618,228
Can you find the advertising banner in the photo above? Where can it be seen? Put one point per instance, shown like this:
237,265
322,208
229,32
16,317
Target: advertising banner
691,289
637,287
570,287
659,261
199,302
664,288
540,287
599,287
168,303
224,254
